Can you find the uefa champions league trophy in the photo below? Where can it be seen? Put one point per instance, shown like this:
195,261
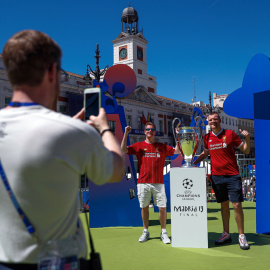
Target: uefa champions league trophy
188,139
191,196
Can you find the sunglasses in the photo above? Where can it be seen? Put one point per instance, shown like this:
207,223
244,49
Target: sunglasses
148,129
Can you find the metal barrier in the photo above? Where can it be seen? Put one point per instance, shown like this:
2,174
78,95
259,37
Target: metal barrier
246,171
83,195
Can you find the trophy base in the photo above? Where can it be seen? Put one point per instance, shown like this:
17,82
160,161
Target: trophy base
188,164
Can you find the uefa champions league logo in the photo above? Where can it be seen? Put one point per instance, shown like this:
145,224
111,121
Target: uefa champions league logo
187,183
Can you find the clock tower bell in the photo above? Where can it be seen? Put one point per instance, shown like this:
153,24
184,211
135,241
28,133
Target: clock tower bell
130,48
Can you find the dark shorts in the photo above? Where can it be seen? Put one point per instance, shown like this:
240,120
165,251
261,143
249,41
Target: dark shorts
227,187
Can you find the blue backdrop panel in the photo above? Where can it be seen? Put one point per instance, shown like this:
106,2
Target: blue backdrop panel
252,102
262,130
256,79
110,205
166,178
75,103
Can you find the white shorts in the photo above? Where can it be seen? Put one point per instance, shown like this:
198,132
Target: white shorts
146,191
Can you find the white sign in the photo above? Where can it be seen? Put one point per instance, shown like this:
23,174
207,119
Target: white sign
188,207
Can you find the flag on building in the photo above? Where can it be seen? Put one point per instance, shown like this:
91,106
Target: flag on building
143,119
149,119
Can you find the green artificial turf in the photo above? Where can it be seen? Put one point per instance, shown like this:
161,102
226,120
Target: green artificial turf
120,249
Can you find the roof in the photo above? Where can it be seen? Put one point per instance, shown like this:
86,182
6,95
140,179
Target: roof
173,100
74,74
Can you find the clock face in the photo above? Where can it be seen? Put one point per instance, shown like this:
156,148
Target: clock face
140,53
123,53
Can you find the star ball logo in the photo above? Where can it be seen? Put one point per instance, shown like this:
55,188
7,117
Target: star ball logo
187,183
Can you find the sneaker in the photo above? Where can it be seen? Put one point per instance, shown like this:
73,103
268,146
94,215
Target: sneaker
145,236
165,238
243,242
224,238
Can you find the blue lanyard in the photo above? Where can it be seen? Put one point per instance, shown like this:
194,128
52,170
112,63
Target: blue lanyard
20,104
24,218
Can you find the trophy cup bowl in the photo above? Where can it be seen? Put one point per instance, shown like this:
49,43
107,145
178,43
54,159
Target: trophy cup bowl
187,139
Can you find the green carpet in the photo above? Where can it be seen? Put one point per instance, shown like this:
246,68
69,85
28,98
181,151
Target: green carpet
120,249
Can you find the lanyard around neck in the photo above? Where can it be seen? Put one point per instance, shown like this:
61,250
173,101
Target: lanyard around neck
21,104
24,218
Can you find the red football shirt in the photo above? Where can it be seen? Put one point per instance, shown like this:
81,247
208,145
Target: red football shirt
221,148
151,160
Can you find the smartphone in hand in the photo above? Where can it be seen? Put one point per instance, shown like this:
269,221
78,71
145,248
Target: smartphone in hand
92,102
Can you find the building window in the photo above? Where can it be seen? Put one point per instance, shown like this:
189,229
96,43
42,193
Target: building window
236,122
160,124
229,121
150,89
140,71
222,119
128,120
140,124
226,121
233,122
7,101
170,132
63,109
112,125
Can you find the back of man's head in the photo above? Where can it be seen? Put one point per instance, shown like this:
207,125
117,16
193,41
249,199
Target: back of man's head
27,55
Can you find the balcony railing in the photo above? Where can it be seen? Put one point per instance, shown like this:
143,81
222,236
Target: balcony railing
141,132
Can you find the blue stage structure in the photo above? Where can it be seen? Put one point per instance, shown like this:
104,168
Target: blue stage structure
251,101
116,204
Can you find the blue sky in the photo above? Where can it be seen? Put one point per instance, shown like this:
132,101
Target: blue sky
211,40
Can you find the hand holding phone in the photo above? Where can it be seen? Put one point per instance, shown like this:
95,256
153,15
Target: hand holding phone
92,102
100,122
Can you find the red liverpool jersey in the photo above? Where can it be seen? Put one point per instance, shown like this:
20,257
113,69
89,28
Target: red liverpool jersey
221,148
151,159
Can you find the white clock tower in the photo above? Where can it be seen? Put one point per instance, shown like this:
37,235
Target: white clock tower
130,48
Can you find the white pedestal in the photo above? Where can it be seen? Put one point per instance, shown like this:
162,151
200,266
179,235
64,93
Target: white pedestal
188,208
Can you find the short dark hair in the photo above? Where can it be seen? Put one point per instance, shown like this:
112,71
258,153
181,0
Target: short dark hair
212,113
149,124
28,54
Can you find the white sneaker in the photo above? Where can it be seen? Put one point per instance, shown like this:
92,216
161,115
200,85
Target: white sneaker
165,238
145,236
243,242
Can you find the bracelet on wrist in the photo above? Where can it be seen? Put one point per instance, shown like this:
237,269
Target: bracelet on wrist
108,129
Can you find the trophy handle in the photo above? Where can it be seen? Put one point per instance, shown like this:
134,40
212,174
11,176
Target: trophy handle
174,135
199,129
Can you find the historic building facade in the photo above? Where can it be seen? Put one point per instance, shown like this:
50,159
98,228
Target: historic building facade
130,48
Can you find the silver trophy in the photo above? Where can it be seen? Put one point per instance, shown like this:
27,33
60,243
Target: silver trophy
188,139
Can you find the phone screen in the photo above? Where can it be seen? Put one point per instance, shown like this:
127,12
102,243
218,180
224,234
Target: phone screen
91,105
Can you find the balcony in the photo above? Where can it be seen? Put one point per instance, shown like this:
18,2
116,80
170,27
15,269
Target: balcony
141,132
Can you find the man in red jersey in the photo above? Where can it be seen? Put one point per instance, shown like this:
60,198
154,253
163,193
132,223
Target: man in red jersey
151,159
227,183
